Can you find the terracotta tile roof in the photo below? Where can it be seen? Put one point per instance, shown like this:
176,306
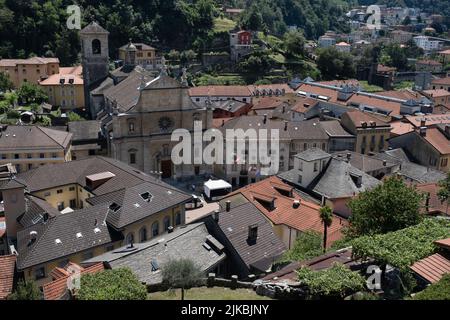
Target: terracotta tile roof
273,87
304,218
357,117
430,119
432,268
399,128
7,267
56,289
445,52
321,91
66,74
303,104
437,139
33,60
378,102
404,94
444,81
218,122
267,103
342,44
435,206
438,93
445,243
220,91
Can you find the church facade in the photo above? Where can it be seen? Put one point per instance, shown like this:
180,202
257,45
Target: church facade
140,110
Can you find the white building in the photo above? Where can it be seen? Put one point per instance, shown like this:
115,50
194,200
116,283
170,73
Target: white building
326,42
428,44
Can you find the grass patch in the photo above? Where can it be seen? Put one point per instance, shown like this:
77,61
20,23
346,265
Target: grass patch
221,79
370,87
223,25
204,293
404,85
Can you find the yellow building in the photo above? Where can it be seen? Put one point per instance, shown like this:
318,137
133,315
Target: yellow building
145,55
65,89
81,209
29,70
371,132
28,147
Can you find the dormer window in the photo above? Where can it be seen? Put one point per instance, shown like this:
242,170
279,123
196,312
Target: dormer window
147,196
114,207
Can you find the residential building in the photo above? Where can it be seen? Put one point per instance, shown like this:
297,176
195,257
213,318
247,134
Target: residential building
147,259
87,139
445,56
229,108
326,42
144,55
293,138
428,44
28,147
66,88
438,96
333,180
30,70
428,120
77,210
429,66
400,36
340,139
240,45
433,204
250,243
371,132
343,47
200,95
429,146
441,83
289,213
7,275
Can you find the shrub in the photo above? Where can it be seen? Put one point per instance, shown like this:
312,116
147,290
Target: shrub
307,246
117,284
437,291
26,290
335,282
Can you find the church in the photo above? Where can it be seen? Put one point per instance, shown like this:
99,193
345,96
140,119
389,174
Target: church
139,109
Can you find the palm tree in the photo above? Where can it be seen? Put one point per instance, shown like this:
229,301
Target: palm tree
326,215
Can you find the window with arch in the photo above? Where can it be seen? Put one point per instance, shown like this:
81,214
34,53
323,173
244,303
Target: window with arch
131,126
178,219
166,223
130,238
155,229
143,234
96,46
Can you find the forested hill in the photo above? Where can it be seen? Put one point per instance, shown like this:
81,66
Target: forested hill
38,27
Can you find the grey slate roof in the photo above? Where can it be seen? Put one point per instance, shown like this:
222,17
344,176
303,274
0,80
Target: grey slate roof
85,130
33,137
305,130
364,162
185,242
334,129
64,227
133,207
411,170
93,27
312,154
234,225
35,210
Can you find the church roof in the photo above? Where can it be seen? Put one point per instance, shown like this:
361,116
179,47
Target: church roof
93,27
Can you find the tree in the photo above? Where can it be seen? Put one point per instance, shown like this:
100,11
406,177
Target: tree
5,82
26,290
256,65
294,44
116,284
335,64
30,92
173,55
444,191
182,274
187,56
326,216
388,207
307,246
406,21
74,117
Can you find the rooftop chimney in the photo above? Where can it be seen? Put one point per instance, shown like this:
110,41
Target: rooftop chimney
33,236
296,204
216,215
170,229
349,156
285,125
422,122
384,163
265,119
228,205
253,233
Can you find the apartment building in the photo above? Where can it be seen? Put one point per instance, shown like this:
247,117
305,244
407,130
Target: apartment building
30,70
28,147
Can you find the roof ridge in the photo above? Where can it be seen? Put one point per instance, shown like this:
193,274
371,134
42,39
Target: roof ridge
35,245
44,132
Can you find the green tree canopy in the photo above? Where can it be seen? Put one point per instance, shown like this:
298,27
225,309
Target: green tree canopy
334,64
388,207
308,245
181,274
444,190
26,290
31,93
116,284
294,44
5,82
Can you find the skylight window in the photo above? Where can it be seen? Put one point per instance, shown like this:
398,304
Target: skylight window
97,230
114,207
147,196
79,235
58,241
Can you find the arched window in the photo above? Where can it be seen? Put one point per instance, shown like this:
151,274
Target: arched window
155,229
143,234
166,223
130,238
178,219
96,46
